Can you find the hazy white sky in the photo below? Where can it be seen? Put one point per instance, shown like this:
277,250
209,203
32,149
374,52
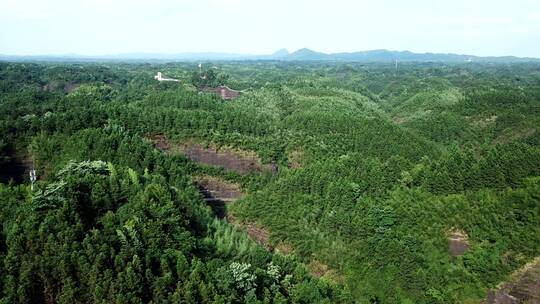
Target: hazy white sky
98,27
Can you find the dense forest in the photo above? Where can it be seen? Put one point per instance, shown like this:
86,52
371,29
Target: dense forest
376,170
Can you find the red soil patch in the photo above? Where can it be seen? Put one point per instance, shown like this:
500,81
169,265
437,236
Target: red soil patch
49,87
70,87
458,243
522,287
255,232
224,92
217,193
241,162
215,189
259,234
160,141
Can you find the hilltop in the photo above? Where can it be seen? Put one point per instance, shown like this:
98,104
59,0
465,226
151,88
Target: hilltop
304,54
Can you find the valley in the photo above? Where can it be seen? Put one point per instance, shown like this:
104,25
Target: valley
323,182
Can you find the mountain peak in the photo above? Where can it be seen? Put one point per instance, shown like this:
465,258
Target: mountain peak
304,51
307,54
281,53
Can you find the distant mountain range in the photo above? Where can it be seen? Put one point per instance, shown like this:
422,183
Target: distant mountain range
282,55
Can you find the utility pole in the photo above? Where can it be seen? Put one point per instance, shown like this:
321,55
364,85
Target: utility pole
32,178
201,72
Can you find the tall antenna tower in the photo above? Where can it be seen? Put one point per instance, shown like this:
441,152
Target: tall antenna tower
395,73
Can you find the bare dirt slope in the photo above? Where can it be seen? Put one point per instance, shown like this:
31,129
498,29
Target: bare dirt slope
242,162
217,189
239,161
522,287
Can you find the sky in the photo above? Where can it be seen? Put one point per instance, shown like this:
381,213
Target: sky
107,27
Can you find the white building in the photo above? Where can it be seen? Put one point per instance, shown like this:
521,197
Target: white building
159,77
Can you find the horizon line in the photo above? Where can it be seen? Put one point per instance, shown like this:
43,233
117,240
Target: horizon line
228,53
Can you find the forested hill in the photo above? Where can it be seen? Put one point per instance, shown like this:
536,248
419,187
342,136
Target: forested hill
416,185
304,54
388,56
